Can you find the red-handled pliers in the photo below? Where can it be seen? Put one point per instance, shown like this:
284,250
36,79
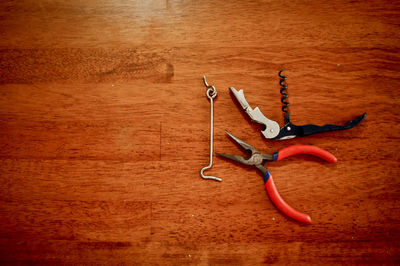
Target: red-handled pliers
256,159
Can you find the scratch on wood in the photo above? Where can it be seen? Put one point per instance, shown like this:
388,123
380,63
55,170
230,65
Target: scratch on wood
160,140
104,245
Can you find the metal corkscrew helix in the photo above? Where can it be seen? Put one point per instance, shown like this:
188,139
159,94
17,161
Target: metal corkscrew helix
284,97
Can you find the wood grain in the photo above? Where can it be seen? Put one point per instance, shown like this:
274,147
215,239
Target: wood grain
105,125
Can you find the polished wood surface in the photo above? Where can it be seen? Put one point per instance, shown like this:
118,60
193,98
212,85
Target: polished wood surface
104,126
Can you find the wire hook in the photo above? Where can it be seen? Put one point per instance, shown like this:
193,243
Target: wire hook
211,94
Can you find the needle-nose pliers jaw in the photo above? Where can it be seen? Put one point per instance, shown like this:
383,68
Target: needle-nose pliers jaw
256,159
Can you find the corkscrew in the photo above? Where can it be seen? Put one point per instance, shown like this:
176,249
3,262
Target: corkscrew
289,130
284,97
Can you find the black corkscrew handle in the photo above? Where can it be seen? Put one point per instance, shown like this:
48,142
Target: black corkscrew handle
313,129
290,130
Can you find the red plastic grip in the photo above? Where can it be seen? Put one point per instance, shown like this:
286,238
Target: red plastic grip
306,149
282,205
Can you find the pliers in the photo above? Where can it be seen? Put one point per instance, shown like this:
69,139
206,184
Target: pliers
256,159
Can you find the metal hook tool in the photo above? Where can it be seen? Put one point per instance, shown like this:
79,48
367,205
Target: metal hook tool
211,94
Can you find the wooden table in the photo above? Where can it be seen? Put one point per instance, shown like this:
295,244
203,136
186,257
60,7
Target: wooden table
104,126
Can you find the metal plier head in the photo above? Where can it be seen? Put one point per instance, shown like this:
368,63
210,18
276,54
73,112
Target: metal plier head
256,158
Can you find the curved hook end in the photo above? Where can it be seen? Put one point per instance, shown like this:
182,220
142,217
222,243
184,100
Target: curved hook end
212,178
205,81
208,176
